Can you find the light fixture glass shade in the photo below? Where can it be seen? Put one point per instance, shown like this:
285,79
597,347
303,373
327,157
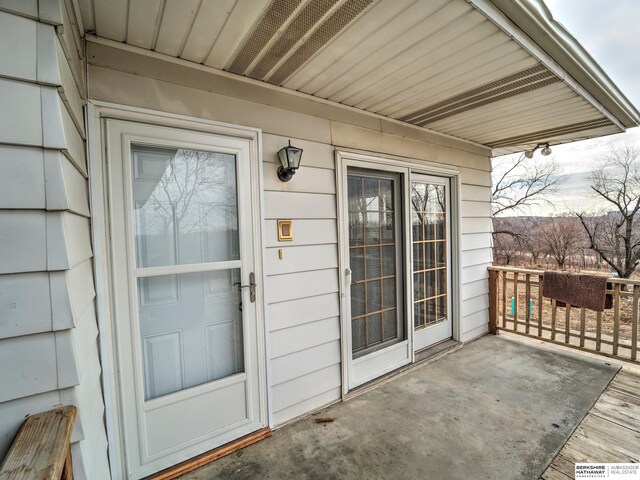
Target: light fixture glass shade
546,150
529,153
290,157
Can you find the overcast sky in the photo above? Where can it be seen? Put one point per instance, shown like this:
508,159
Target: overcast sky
610,31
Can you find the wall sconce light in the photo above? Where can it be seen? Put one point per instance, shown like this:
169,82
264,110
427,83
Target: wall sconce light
290,159
545,151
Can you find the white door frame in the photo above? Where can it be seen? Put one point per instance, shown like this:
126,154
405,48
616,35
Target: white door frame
405,166
97,113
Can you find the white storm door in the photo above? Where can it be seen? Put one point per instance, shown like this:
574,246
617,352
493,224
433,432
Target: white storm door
431,259
184,296
374,301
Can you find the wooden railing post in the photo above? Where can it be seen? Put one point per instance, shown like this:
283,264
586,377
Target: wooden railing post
493,301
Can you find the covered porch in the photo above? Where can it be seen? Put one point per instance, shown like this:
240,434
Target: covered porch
150,270
496,408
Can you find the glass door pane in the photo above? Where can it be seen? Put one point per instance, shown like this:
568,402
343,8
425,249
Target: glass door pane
375,262
191,330
186,208
429,244
186,213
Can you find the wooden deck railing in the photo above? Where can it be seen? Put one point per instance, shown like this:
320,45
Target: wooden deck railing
516,305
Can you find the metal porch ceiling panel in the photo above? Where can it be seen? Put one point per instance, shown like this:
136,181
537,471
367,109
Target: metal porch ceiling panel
438,64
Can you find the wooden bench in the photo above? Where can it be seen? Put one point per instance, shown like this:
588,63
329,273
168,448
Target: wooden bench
42,450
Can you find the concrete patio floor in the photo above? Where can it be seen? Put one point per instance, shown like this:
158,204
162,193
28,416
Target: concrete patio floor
494,409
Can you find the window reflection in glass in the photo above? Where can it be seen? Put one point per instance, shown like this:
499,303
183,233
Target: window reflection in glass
429,246
185,206
372,252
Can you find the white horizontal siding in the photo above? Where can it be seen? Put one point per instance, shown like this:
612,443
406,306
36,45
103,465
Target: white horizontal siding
299,205
25,308
301,337
472,209
69,92
475,177
475,225
22,183
77,235
299,389
48,331
301,259
59,131
477,319
474,273
72,44
476,254
474,241
305,232
302,286
81,290
85,337
22,100
473,289
476,332
29,366
283,288
18,56
291,313
299,409
66,187
66,364
475,305
304,362
23,243
307,180
477,193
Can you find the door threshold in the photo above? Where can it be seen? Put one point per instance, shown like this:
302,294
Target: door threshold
423,357
210,456
433,350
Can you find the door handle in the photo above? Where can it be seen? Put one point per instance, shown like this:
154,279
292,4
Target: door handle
251,287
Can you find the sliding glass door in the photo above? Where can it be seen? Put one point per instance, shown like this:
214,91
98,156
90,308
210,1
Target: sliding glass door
378,333
397,249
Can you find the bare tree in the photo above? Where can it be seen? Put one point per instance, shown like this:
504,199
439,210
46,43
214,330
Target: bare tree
506,248
615,236
530,238
561,238
522,183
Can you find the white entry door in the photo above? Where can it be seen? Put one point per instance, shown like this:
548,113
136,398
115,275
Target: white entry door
184,294
431,254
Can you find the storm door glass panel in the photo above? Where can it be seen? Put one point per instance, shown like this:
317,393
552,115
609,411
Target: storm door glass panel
374,250
429,245
191,330
186,208
186,213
